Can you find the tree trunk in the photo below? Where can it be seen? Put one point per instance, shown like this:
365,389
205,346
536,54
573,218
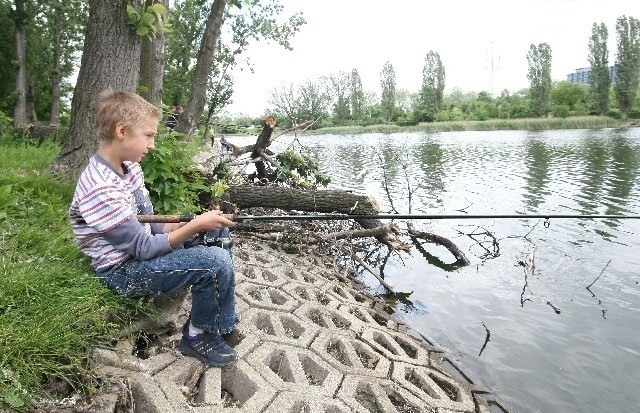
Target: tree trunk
188,121
110,60
32,117
54,119
152,64
20,110
263,141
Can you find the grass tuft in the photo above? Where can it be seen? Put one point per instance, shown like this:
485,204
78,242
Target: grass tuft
52,308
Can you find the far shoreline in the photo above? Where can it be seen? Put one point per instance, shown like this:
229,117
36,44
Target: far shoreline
532,124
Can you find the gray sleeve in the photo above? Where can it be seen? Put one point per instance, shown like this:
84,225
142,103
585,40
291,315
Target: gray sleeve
130,237
156,228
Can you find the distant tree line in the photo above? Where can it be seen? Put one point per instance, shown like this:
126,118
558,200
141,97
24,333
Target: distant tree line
326,98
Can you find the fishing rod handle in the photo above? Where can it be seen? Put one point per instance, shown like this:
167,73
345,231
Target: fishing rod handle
165,219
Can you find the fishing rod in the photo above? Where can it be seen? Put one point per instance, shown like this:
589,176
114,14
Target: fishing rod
342,217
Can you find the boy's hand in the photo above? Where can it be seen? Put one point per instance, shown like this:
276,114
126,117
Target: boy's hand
209,221
212,221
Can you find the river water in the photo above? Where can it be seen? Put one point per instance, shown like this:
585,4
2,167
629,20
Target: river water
584,359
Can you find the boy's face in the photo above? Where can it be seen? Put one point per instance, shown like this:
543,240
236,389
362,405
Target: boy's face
137,141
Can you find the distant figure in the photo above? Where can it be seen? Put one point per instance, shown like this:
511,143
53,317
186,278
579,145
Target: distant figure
226,146
172,119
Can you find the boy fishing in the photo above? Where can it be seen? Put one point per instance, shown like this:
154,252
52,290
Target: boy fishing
138,259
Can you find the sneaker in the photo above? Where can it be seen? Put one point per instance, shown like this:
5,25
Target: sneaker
209,349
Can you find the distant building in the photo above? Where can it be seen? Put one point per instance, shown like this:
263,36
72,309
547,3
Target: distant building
581,76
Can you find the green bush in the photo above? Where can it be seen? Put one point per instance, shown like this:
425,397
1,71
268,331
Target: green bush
614,113
172,177
297,171
560,111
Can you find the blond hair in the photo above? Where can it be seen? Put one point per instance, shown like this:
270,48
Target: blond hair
121,106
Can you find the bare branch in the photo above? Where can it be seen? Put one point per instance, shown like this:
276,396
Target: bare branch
594,281
366,266
461,259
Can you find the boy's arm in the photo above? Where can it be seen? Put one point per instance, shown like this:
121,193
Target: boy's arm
132,238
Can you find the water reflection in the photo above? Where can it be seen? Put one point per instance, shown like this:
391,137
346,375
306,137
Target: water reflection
537,163
430,159
620,177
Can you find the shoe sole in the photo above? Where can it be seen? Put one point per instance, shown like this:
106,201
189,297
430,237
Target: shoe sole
187,351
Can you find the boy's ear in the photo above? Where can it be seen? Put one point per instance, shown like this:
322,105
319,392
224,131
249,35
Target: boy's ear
120,129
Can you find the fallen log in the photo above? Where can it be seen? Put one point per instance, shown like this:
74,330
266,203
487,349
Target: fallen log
323,201
42,132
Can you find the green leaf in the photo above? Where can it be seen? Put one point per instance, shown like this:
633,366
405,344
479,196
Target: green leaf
157,8
142,31
147,19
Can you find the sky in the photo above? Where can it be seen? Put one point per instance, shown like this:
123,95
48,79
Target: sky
483,44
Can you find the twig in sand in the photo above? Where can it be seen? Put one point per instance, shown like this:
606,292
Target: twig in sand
191,387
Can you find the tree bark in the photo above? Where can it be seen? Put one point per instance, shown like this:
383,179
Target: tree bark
188,121
152,63
110,60
54,119
20,110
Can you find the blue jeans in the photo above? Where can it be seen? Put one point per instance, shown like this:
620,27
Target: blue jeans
207,270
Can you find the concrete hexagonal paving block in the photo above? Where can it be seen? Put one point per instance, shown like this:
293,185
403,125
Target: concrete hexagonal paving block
368,394
397,346
312,294
264,296
305,276
346,353
307,403
236,388
363,316
268,276
433,386
349,295
294,369
281,327
323,316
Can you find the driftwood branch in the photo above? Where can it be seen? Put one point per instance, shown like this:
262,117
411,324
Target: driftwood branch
461,259
303,127
366,267
240,150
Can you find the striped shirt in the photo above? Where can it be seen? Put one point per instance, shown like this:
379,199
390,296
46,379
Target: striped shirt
103,215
